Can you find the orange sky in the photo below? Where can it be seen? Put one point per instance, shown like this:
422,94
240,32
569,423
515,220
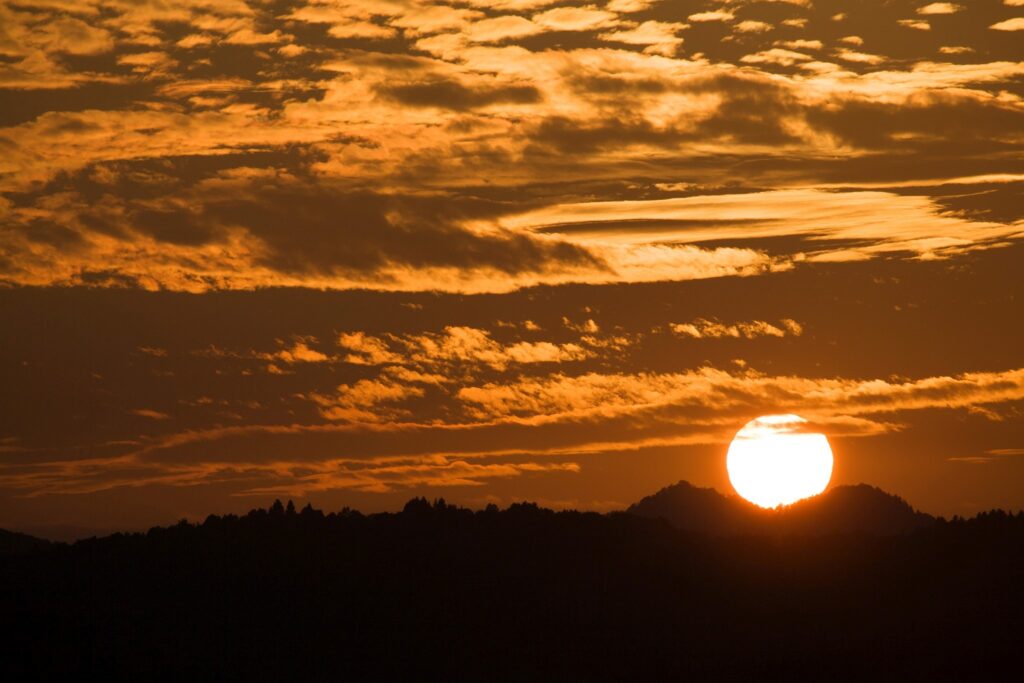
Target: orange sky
353,251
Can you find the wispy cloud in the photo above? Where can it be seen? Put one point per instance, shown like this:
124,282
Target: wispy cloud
531,417
990,456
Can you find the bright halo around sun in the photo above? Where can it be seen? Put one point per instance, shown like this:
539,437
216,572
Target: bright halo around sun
772,462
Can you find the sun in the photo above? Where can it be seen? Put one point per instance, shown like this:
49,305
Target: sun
772,461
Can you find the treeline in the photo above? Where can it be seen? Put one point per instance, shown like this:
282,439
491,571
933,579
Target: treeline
438,592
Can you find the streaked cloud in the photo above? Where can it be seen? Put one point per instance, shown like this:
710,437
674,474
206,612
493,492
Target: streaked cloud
878,222
713,399
989,456
602,396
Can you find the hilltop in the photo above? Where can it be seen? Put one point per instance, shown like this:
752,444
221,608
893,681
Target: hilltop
842,509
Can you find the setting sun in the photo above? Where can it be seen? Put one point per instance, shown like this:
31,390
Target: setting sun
771,462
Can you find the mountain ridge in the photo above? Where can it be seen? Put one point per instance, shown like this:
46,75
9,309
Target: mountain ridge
859,508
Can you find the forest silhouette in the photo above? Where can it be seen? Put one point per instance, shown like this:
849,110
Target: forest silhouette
440,592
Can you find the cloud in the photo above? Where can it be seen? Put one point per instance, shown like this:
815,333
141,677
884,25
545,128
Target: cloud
426,235
423,146
800,44
434,19
147,63
1015,24
366,400
194,40
479,161
71,36
915,24
511,5
617,412
595,396
360,29
380,232
37,48
989,456
858,57
702,328
878,222
502,28
151,414
940,8
630,6
751,26
348,19
713,15
247,36
776,56
300,352
449,94
280,478
438,471
366,350
457,345
587,18
659,37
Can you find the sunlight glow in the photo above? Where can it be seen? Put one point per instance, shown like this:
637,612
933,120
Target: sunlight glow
772,461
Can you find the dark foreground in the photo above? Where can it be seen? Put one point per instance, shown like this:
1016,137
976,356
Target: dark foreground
524,594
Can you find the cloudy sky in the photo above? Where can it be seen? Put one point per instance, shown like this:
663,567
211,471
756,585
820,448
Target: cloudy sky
352,251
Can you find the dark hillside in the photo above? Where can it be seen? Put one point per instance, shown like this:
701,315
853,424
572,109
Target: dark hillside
523,594
14,543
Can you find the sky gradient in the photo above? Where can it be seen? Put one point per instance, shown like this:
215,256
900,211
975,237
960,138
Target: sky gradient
352,251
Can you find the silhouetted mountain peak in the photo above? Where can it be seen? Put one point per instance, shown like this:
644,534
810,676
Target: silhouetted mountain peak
858,508
693,508
851,509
